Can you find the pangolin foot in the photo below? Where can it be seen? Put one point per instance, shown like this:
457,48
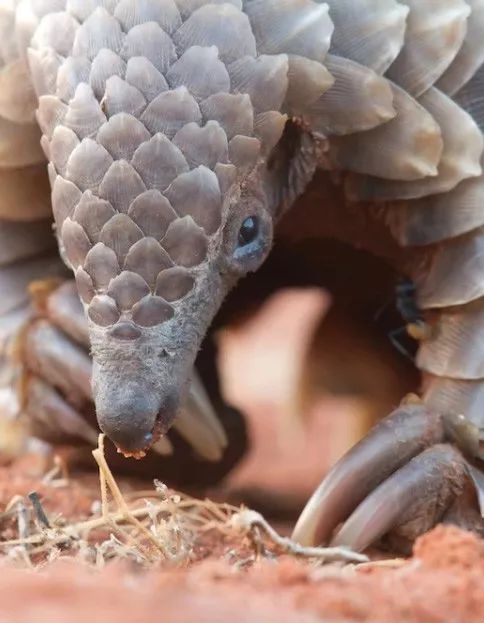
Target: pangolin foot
398,482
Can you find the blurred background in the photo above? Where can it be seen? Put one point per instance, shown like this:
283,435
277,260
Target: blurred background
307,357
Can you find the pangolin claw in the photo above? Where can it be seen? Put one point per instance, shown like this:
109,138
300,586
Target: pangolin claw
393,442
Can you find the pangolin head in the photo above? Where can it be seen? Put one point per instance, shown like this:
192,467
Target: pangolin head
160,125
147,326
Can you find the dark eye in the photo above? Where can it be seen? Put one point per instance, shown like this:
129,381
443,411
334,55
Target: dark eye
249,242
248,231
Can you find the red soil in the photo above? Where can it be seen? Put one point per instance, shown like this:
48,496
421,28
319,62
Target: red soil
442,583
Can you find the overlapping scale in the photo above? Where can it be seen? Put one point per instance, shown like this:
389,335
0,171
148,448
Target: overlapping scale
152,311
120,96
234,113
131,13
435,33
174,283
470,57
185,242
205,145
63,143
197,194
221,25
100,30
300,27
121,185
106,65
127,289
88,164
142,74
388,151
122,135
359,100
264,79
102,266
92,214
147,258
152,212
455,348
201,71
308,80
170,111
119,234
83,115
159,162
369,32
149,41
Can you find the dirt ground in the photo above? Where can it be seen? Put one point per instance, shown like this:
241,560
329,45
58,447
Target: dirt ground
218,574
442,582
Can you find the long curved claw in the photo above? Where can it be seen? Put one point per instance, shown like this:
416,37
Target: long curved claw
163,447
51,417
198,423
408,503
65,310
465,434
391,444
60,362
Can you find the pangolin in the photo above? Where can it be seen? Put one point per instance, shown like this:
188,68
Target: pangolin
177,133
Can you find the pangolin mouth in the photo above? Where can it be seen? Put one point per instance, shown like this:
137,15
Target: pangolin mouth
158,431
195,420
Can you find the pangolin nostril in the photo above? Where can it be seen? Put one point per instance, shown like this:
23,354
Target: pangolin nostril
129,419
148,439
134,419
129,439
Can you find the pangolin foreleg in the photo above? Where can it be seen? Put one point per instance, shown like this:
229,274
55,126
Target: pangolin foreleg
437,221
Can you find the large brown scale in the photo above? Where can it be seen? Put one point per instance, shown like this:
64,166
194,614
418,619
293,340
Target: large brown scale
177,133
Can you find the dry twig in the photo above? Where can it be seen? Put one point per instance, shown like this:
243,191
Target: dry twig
166,527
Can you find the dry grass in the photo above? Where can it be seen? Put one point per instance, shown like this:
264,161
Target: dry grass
149,528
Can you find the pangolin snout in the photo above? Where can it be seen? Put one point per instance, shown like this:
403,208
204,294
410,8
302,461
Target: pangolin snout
134,422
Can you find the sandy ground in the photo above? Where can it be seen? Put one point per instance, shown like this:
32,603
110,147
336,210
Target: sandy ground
441,583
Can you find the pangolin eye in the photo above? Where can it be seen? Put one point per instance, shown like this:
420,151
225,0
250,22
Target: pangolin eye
248,232
249,242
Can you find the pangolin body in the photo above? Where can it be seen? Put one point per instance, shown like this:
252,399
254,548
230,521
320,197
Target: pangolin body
178,131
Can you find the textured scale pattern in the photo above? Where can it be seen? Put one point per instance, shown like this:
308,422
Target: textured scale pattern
151,108
151,111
